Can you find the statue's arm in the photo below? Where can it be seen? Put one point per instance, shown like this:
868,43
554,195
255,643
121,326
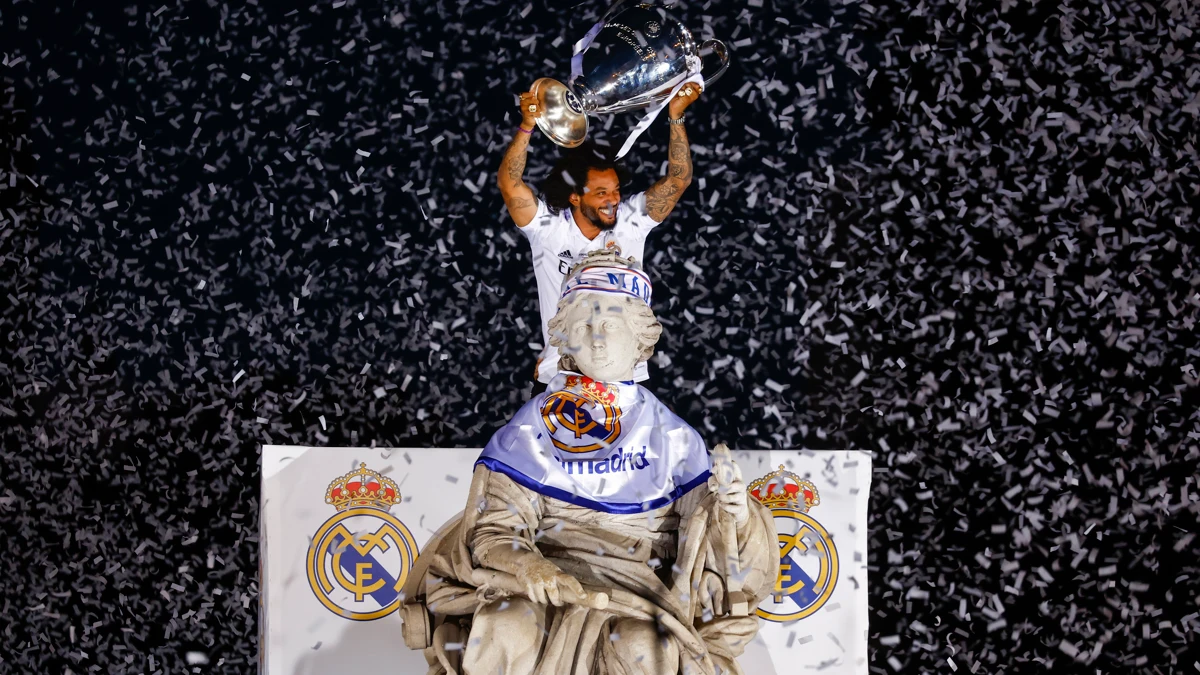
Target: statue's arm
507,515
758,549
664,194
501,538
743,525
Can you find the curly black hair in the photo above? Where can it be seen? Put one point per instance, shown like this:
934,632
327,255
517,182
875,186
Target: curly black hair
570,173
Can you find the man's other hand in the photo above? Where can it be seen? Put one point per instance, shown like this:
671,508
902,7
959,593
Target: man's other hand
680,101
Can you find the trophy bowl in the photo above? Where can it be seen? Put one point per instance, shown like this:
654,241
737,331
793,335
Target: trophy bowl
635,61
559,121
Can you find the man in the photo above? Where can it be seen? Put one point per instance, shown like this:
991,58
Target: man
582,211
599,535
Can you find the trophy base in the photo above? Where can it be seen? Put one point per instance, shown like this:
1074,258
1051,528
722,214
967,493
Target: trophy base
560,120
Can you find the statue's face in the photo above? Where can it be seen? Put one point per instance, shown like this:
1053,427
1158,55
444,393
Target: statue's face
600,337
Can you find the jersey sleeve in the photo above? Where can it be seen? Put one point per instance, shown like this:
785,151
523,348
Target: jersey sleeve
539,228
637,215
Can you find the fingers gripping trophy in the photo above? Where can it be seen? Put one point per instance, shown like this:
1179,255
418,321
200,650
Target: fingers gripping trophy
600,536
638,57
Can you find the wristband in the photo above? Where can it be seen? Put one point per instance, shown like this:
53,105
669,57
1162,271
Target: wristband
530,131
678,121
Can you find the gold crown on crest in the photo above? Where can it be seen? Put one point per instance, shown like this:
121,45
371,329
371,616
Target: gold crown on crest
783,488
363,487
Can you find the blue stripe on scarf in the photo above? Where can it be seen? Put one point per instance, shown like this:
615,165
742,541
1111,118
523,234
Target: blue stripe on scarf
607,507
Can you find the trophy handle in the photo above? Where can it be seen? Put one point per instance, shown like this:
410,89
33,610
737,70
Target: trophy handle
722,52
613,9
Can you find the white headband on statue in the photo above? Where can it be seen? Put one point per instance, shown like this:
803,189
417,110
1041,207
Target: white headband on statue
609,279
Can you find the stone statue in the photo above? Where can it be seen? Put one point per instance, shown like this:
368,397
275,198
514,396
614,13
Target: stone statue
599,537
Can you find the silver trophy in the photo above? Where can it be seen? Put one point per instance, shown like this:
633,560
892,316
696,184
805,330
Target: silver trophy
632,59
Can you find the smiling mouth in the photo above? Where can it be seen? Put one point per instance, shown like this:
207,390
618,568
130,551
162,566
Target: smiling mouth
606,212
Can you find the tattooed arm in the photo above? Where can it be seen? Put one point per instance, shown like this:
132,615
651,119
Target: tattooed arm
663,195
519,199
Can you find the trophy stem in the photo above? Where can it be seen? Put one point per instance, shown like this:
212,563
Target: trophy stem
577,98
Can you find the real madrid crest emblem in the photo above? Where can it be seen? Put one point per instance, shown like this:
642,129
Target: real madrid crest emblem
808,559
359,559
583,417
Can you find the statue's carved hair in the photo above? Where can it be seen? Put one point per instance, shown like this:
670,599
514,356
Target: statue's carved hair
646,327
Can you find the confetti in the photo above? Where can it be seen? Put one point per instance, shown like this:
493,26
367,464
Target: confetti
962,237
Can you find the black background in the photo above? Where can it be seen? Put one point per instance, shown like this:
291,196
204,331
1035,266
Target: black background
1008,242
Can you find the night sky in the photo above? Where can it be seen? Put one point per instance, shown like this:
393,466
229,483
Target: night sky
960,235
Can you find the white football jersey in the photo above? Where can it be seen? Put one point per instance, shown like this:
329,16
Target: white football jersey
558,244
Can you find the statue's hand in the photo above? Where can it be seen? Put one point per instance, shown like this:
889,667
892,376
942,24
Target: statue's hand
726,481
546,582
712,593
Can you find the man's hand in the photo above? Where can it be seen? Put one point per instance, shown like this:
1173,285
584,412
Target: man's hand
530,110
544,581
681,100
726,481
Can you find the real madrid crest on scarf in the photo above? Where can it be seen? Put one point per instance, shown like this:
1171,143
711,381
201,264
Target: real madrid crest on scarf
808,558
583,416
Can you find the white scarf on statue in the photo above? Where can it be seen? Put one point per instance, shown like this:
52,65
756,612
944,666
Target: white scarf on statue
607,446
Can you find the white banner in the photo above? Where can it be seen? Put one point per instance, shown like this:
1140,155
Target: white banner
329,601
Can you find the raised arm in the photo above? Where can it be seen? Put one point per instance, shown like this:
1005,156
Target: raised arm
664,194
517,196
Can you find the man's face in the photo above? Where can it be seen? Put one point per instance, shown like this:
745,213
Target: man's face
600,197
600,338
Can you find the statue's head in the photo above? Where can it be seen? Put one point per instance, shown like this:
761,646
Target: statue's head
604,325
